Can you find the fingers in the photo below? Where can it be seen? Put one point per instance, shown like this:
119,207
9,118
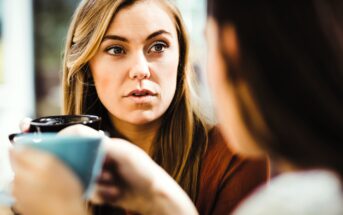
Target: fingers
23,168
110,175
27,158
105,178
41,177
19,161
24,124
121,149
110,185
109,194
28,165
95,198
105,194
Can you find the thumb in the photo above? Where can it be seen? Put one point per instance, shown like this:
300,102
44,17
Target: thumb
95,197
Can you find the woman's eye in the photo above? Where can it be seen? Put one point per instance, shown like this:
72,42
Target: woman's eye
115,50
158,47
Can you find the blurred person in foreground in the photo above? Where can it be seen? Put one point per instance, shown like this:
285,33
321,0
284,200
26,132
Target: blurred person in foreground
127,61
276,72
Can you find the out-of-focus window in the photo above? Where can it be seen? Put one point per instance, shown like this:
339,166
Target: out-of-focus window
16,74
1,57
194,15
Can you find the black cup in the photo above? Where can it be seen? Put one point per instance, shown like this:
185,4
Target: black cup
57,123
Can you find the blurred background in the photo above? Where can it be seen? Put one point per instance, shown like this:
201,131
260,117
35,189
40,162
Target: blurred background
32,37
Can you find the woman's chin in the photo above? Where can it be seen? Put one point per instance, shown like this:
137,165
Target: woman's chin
143,120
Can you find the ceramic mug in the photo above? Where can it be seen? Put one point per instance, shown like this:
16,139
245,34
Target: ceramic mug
82,154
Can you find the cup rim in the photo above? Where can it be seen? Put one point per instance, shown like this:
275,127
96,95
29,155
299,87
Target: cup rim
48,136
93,118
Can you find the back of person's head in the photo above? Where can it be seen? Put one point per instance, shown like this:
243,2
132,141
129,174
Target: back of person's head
291,58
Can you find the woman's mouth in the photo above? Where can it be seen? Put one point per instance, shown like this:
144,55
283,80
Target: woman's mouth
141,96
141,93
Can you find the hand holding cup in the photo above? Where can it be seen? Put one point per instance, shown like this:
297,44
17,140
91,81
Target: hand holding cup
55,169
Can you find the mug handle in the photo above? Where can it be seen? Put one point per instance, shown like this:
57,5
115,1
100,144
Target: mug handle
12,136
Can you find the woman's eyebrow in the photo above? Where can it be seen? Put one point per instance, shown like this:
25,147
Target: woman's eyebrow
114,37
120,38
157,33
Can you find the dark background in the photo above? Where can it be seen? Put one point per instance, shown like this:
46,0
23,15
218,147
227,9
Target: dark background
51,20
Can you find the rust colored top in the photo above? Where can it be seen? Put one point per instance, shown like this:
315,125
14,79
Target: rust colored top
225,179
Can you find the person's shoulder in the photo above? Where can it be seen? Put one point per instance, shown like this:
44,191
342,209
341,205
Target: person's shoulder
226,177
217,145
220,162
308,192
219,149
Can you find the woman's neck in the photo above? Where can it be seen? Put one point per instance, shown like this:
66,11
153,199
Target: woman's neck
141,135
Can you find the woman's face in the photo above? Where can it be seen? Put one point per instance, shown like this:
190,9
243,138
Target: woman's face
225,101
135,67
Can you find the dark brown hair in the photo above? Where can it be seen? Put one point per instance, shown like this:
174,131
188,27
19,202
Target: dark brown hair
291,58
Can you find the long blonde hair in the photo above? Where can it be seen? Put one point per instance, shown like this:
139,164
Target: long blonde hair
182,137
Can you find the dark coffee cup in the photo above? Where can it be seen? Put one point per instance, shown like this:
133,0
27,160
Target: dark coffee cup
59,122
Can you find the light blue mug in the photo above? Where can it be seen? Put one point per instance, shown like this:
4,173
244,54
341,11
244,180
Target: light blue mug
82,154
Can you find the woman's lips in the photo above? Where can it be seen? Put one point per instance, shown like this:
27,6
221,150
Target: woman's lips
141,92
141,96
141,99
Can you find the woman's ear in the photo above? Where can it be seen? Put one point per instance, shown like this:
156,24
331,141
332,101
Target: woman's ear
230,43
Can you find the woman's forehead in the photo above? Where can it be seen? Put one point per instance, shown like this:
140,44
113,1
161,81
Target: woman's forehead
142,18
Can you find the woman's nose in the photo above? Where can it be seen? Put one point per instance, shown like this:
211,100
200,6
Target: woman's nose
140,68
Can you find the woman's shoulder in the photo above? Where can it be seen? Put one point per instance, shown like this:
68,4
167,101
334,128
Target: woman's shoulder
217,146
226,177
308,192
218,152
